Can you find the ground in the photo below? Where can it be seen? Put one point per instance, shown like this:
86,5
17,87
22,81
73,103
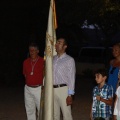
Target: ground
12,100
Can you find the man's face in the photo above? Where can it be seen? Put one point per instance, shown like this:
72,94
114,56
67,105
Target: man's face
60,46
33,52
99,78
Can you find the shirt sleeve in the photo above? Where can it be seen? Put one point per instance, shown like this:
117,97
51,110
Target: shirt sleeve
115,108
116,104
71,83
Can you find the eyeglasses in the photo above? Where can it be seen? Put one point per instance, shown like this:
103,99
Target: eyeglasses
111,72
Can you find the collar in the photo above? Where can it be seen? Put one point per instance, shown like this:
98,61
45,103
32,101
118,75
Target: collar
102,86
35,59
62,56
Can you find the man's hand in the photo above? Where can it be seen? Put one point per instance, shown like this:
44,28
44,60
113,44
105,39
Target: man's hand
69,100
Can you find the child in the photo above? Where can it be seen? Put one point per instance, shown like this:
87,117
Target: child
114,67
117,105
102,97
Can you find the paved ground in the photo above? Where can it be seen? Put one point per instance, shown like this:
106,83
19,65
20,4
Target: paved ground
12,101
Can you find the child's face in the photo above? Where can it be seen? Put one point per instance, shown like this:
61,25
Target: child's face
116,51
99,78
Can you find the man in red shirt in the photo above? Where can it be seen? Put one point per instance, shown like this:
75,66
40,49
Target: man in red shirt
33,68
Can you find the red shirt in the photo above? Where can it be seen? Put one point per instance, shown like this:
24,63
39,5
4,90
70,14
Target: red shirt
37,77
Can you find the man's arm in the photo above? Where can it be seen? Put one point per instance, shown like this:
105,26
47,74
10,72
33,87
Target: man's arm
71,77
71,84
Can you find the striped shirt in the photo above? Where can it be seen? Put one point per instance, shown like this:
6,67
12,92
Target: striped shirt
99,108
64,71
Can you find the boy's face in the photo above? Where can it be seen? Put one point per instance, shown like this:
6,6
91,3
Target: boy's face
99,78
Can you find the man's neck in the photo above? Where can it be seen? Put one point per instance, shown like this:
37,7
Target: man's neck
34,59
60,54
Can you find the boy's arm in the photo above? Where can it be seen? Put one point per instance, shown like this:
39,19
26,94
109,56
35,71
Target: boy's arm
108,102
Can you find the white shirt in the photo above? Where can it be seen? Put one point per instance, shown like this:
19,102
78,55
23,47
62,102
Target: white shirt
64,71
117,105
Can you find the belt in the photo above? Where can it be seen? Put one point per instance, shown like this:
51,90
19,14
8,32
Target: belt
33,86
60,85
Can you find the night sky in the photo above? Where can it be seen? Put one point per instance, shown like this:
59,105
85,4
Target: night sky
22,22
25,21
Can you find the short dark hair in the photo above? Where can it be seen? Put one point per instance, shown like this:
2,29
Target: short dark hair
34,45
65,41
102,71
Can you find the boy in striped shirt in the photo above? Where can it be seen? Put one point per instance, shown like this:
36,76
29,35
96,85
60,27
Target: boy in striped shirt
102,97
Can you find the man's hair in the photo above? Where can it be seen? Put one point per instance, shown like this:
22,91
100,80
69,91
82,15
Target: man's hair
34,45
65,41
102,71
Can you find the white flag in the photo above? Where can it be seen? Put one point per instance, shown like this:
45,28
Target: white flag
50,51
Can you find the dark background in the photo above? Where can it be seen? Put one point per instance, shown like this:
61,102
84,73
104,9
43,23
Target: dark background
26,21
21,23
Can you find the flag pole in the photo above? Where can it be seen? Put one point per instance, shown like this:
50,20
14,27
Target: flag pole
49,51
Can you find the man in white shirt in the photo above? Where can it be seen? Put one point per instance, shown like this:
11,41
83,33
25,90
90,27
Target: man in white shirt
64,81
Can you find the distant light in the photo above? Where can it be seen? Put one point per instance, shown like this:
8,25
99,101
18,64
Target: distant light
92,26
